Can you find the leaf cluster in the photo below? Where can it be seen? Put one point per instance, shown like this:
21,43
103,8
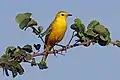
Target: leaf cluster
13,57
95,32
25,21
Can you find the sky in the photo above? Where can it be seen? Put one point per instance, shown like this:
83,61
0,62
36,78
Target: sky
81,63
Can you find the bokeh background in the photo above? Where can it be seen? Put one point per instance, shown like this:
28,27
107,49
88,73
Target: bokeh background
81,63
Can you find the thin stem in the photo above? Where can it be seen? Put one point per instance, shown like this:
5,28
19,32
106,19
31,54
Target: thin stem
41,38
71,38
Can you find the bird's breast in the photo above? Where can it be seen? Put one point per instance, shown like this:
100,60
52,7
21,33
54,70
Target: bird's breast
59,29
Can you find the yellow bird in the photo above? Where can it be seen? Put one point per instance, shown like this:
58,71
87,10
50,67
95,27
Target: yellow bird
56,32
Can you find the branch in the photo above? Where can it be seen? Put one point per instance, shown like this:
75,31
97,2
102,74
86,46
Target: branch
114,42
117,43
62,49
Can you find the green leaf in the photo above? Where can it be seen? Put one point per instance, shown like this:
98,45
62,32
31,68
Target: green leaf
40,29
28,14
4,58
90,32
24,23
77,21
78,26
42,65
14,71
18,49
118,43
103,43
17,67
104,40
20,70
79,34
103,33
81,28
20,52
10,50
107,32
74,27
33,63
108,39
37,46
32,23
20,17
92,24
28,48
28,57
100,29
6,72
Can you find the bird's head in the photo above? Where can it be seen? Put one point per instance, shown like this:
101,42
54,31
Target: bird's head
62,15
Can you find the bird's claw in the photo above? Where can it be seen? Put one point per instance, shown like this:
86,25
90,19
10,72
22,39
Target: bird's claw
54,52
65,48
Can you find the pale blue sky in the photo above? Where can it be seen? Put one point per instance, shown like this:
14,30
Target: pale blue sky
80,63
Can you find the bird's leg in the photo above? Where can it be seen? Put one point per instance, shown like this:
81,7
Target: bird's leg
54,52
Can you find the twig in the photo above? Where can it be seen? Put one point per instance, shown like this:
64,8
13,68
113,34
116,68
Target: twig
41,38
71,38
114,43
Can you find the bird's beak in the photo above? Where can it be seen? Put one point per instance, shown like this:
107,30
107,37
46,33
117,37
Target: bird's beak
69,14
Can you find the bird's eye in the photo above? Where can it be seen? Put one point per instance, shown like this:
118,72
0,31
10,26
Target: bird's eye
62,14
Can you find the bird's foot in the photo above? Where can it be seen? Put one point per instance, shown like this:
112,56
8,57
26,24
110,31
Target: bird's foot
42,65
65,48
55,52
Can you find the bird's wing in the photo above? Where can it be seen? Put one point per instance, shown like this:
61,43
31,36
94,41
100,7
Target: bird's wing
47,32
